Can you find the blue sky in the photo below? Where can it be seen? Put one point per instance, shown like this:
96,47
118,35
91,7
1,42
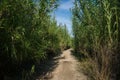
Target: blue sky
63,14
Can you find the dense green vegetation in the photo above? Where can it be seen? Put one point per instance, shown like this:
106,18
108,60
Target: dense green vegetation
96,30
28,35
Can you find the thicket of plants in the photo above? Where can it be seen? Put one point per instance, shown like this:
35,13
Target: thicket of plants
28,35
96,30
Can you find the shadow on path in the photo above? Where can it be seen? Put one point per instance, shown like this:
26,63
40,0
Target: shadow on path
43,70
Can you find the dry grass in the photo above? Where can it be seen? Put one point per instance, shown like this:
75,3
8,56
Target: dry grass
100,66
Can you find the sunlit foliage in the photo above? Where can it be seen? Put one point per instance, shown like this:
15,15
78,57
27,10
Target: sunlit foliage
96,28
28,35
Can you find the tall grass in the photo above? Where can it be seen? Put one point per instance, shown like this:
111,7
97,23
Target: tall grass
96,31
28,36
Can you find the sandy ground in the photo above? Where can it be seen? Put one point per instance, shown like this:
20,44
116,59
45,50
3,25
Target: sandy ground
67,69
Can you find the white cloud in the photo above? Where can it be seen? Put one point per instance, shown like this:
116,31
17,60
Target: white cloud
66,21
63,20
66,5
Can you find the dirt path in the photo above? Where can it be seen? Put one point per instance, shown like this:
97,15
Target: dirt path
67,68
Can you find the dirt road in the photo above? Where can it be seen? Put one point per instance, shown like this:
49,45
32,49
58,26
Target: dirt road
67,68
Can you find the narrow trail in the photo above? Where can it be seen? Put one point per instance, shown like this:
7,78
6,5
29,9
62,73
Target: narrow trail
67,68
